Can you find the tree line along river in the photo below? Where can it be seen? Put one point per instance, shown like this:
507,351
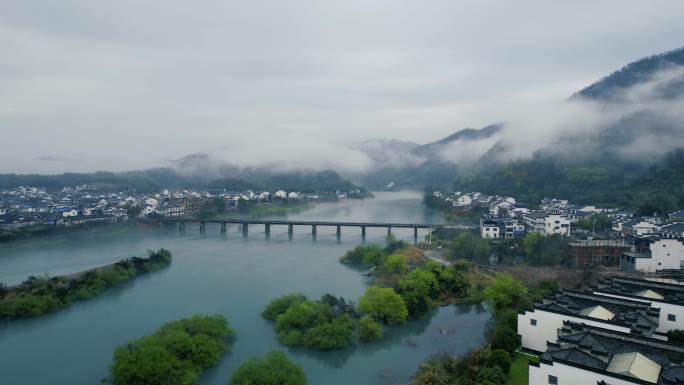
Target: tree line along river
229,275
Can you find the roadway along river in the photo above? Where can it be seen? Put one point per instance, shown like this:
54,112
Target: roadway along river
229,275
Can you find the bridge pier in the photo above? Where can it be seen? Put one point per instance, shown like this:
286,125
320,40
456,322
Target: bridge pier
313,232
267,230
245,229
203,227
389,232
339,233
363,234
415,235
290,231
223,227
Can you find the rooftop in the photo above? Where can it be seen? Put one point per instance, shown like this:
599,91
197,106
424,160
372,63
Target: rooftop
638,316
620,354
670,292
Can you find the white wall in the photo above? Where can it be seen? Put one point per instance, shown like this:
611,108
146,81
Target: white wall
665,254
570,375
548,323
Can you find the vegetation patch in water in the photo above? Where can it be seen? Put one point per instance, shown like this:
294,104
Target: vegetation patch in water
176,354
274,369
40,295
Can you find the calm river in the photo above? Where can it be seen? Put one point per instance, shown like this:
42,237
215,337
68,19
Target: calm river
229,275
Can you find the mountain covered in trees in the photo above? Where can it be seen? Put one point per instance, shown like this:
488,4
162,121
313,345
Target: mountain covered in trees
631,153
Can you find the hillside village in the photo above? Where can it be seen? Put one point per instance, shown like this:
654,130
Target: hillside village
625,329
26,207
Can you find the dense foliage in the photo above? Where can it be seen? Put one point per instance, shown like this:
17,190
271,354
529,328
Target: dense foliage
324,324
176,354
470,246
39,295
274,369
384,305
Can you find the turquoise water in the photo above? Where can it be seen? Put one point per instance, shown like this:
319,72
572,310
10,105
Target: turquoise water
229,275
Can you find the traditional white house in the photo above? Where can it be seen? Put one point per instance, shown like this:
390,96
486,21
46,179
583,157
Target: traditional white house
463,200
586,355
661,254
281,194
540,325
293,195
668,298
639,227
489,229
673,231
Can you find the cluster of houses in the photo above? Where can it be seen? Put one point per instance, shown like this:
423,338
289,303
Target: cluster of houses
645,244
24,207
613,334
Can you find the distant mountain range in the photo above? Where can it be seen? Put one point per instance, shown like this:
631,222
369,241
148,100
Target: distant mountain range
623,147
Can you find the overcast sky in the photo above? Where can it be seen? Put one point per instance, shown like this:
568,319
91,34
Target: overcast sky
115,85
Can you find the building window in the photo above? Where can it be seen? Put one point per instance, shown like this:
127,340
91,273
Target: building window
553,380
533,322
671,317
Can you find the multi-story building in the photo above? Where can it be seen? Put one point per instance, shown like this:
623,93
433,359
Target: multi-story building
546,224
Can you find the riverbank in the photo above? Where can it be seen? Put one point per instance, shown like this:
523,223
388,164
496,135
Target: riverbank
39,295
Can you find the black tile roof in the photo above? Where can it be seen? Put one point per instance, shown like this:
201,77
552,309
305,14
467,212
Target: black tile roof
638,316
672,293
592,348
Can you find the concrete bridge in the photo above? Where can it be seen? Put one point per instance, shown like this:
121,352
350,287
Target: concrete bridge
267,223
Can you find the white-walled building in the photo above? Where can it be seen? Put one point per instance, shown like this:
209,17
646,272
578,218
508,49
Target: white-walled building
586,355
539,326
463,200
661,254
281,194
667,297
489,229
547,224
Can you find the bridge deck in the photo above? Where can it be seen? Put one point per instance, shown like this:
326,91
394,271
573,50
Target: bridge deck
305,223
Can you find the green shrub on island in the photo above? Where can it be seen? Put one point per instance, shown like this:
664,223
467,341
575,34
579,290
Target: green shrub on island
176,354
274,369
369,329
280,305
40,295
324,324
384,305
370,255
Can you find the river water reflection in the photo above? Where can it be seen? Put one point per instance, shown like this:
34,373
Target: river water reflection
229,275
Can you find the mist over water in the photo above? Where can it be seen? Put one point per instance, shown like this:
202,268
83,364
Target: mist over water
229,275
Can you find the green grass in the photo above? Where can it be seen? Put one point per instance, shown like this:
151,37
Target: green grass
519,369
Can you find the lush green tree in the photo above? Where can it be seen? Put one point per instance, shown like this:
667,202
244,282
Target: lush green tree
451,282
280,305
417,288
369,329
507,292
598,222
470,246
274,369
176,354
505,338
395,264
314,324
393,245
371,255
493,375
532,243
500,358
383,304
